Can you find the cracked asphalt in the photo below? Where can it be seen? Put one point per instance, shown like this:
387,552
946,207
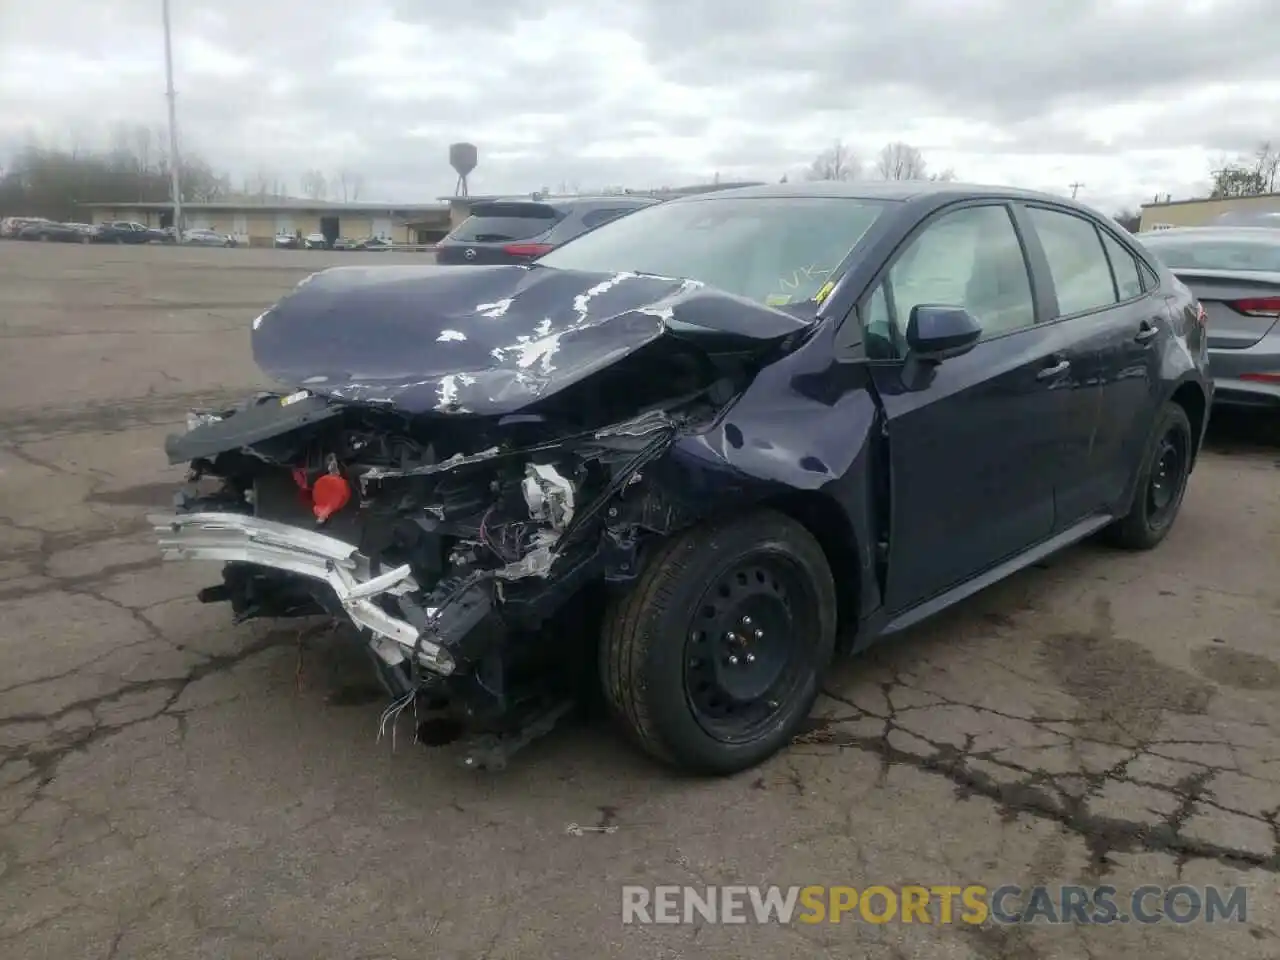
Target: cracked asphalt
174,786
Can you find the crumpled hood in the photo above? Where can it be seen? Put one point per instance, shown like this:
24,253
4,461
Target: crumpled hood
485,339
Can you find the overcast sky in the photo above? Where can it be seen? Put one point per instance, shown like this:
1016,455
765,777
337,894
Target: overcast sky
1127,97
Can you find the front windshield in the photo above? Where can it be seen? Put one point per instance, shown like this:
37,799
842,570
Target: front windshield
775,250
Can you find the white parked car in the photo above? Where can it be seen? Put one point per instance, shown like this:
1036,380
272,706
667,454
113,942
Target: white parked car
316,241
287,241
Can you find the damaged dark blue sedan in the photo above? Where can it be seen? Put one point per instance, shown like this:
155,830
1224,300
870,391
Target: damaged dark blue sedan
688,457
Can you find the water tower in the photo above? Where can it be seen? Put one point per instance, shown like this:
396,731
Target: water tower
462,157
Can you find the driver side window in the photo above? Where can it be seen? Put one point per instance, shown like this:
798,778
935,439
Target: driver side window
970,258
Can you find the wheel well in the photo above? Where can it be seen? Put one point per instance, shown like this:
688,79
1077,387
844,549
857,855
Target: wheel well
1191,398
830,526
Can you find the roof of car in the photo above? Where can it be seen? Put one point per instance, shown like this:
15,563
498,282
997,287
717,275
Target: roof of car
622,200
872,190
1225,231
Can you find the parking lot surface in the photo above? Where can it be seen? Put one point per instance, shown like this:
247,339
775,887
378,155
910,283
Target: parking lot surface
175,786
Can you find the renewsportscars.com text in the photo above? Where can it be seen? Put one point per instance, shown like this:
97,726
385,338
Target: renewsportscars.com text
941,904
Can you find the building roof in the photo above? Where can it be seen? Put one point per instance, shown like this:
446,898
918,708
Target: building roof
476,197
1195,200
337,206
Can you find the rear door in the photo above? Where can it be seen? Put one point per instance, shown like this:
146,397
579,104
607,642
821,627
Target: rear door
972,455
1115,328
500,231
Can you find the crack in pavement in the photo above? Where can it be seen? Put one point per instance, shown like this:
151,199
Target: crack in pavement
1042,794
45,758
150,410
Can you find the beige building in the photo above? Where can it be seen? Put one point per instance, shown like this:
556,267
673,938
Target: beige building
1200,213
258,224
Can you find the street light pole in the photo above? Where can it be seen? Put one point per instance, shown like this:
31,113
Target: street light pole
175,183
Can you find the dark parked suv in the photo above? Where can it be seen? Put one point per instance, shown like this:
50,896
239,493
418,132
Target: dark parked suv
517,231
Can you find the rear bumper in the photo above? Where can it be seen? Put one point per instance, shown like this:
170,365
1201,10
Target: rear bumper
233,537
1230,367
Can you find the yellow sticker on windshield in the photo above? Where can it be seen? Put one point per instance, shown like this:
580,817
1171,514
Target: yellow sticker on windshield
824,291
777,300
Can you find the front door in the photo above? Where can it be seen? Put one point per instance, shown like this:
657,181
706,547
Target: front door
973,454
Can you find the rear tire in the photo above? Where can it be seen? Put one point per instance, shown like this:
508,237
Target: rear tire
713,660
1162,483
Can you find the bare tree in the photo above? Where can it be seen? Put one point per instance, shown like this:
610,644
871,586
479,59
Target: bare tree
259,184
837,162
1247,176
53,182
314,185
142,146
901,161
1267,164
349,183
1129,219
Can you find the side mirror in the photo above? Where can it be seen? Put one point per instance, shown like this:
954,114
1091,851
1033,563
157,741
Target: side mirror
937,333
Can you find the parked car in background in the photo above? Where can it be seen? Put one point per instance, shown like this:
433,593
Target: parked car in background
287,241
208,238
127,231
11,226
703,444
373,244
58,232
1235,273
1248,218
316,241
517,231
344,243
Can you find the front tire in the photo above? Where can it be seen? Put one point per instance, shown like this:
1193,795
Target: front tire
1162,483
713,660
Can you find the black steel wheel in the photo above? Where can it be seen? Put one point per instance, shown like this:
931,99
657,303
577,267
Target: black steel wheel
1161,483
749,645
1168,475
713,660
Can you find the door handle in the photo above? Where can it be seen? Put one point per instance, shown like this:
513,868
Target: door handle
1057,370
1146,331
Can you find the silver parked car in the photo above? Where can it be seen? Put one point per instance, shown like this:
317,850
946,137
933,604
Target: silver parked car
1235,273
208,238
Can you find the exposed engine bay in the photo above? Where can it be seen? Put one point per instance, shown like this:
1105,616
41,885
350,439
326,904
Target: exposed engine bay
454,539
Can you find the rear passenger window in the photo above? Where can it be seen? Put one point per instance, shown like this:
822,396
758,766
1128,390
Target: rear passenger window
1077,262
1125,267
593,218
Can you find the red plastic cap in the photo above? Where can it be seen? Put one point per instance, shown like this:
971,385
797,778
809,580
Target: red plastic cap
329,494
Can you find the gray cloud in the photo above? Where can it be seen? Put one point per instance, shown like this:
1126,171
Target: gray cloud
655,92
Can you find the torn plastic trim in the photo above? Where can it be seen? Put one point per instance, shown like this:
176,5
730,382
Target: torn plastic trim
651,421
233,537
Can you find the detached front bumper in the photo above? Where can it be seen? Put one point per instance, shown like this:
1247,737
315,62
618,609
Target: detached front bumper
233,537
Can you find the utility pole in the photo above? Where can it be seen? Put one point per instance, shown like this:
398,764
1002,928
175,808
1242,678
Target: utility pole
175,183
1075,188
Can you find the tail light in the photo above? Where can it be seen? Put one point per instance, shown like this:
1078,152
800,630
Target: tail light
1258,307
1268,378
527,249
